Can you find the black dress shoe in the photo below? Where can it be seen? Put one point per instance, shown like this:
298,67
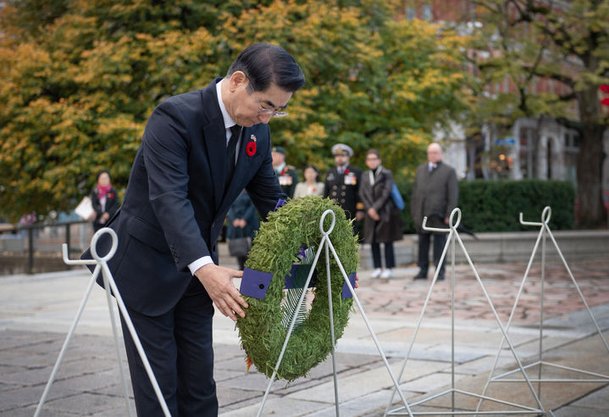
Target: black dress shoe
421,275
440,277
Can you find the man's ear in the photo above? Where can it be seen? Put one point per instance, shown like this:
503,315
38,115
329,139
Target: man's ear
237,80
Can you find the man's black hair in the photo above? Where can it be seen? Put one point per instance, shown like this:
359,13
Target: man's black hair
264,64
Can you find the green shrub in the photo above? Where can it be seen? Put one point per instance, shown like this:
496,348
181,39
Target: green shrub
494,206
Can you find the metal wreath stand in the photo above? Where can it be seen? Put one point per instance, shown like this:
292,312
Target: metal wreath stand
327,244
453,237
540,363
101,263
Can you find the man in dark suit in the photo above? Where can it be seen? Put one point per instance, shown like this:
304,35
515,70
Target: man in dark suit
342,184
435,195
198,152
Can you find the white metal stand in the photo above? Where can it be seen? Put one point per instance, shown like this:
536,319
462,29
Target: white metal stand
111,289
327,244
453,237
540,363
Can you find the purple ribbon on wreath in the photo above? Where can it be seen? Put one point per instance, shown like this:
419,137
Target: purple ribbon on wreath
280,203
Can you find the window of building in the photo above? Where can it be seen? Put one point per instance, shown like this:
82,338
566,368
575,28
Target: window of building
549,159
427,12
527,155
571,151
411,13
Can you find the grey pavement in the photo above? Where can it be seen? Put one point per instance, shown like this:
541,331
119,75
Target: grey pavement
36,312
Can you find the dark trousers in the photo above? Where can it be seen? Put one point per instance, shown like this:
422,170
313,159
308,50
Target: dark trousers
439,240
389,255
358,229
241,260
178,345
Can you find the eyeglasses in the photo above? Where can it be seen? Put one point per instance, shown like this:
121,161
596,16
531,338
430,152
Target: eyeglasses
267,111
271,112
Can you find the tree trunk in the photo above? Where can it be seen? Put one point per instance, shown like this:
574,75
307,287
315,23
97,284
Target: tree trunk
590,211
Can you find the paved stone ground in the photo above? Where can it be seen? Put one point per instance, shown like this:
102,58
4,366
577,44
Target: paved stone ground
405,297
36,311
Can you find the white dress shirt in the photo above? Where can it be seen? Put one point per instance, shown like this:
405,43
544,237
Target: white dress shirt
228,123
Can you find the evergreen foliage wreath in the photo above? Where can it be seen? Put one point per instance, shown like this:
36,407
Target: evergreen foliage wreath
274,250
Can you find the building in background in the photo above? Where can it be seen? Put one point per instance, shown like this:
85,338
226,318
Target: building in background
532,148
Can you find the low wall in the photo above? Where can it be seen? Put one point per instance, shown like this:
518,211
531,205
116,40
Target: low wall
11,264
488,248
509,247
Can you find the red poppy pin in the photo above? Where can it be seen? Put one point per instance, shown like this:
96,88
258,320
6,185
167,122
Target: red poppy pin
250,148
347,172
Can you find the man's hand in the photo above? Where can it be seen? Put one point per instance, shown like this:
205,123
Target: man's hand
218,282
240,223
359,215
373,214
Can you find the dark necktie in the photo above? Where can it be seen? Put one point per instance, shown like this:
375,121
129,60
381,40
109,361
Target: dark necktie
230,153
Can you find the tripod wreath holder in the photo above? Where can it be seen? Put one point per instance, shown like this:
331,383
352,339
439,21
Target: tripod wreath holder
101,265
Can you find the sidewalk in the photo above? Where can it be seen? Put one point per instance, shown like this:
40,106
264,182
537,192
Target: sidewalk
36,313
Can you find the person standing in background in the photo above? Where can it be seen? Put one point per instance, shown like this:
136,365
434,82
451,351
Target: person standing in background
435,194
342,185
243,222
383,222
285,173
311,184
104,200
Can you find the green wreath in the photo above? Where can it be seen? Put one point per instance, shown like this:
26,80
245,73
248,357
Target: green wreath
263,330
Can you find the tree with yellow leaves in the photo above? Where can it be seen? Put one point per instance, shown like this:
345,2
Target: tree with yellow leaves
81,77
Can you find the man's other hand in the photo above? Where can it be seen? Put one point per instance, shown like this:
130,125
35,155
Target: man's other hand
218,282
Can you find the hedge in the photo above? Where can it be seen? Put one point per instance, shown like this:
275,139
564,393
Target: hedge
494,206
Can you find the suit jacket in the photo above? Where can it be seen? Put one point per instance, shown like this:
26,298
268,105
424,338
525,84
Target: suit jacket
435,194
242,208
288,178
176,201
346,195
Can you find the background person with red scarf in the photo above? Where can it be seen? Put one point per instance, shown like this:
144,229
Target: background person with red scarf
104,200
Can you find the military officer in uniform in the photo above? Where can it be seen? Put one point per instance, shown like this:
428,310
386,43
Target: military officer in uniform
342,184
286,173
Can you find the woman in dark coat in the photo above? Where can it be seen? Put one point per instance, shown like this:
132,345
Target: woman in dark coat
242,221
104,200
383,222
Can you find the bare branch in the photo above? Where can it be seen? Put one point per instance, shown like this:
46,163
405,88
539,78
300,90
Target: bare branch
557,76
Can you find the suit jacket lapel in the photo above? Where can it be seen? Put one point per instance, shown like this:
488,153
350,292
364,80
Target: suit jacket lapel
214,135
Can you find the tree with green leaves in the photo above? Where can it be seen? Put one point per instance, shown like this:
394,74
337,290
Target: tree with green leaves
81,77
568,42
79,82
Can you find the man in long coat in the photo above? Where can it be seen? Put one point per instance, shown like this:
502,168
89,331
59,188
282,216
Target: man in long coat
435,194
